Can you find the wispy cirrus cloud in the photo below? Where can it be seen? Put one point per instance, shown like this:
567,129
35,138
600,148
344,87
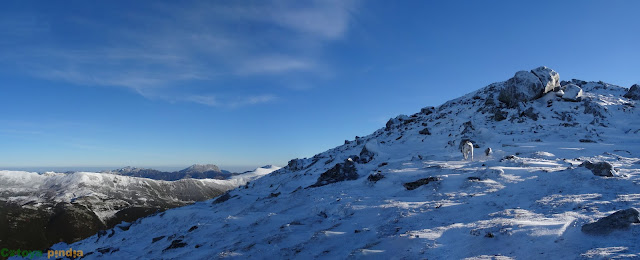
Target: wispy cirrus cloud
169,51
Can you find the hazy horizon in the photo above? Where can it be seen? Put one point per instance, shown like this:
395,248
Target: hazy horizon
231,168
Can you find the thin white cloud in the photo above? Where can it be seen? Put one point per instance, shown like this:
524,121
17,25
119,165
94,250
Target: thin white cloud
273,64
208,100
174,46
213,101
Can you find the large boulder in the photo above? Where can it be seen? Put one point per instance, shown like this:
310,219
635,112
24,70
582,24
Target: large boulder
340,172
621,219
600,168
572,93
524,86
549,78
634,92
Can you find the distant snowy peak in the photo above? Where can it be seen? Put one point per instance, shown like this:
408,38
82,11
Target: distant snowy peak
201,168
129,169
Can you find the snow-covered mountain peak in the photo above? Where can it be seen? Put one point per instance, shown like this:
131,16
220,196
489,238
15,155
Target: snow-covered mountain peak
200,168
405,192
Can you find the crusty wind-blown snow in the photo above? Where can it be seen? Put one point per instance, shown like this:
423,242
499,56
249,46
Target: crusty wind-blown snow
528,199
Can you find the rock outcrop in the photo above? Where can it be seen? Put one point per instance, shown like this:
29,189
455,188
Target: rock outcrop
295,165
621,219
634,92
365,155
340,172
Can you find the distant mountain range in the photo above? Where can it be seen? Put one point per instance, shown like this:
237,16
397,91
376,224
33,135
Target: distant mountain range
196,171
38,210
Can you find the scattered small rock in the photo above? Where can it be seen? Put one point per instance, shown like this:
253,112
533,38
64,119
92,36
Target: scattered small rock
156,239
375,177
274,195
425,131
175,244
621,219
415,184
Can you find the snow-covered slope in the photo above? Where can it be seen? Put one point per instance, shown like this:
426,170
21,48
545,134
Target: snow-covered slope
404,191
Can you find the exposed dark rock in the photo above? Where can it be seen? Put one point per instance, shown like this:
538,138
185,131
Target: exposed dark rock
530,113
425,131
156,239
587,141
593,108
274,195
192,228
488,151
365,155
468,128
621,219
222,198
427,110
295,165
473,178
175,244
104,250
600,168
509,157
499,115
399,120
634,92
340,172
375,177
415,184
383,164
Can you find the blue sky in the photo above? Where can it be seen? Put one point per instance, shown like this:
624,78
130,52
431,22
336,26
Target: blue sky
247,83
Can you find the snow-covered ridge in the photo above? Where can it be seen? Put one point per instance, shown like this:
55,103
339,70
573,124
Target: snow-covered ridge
33,188
414,197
